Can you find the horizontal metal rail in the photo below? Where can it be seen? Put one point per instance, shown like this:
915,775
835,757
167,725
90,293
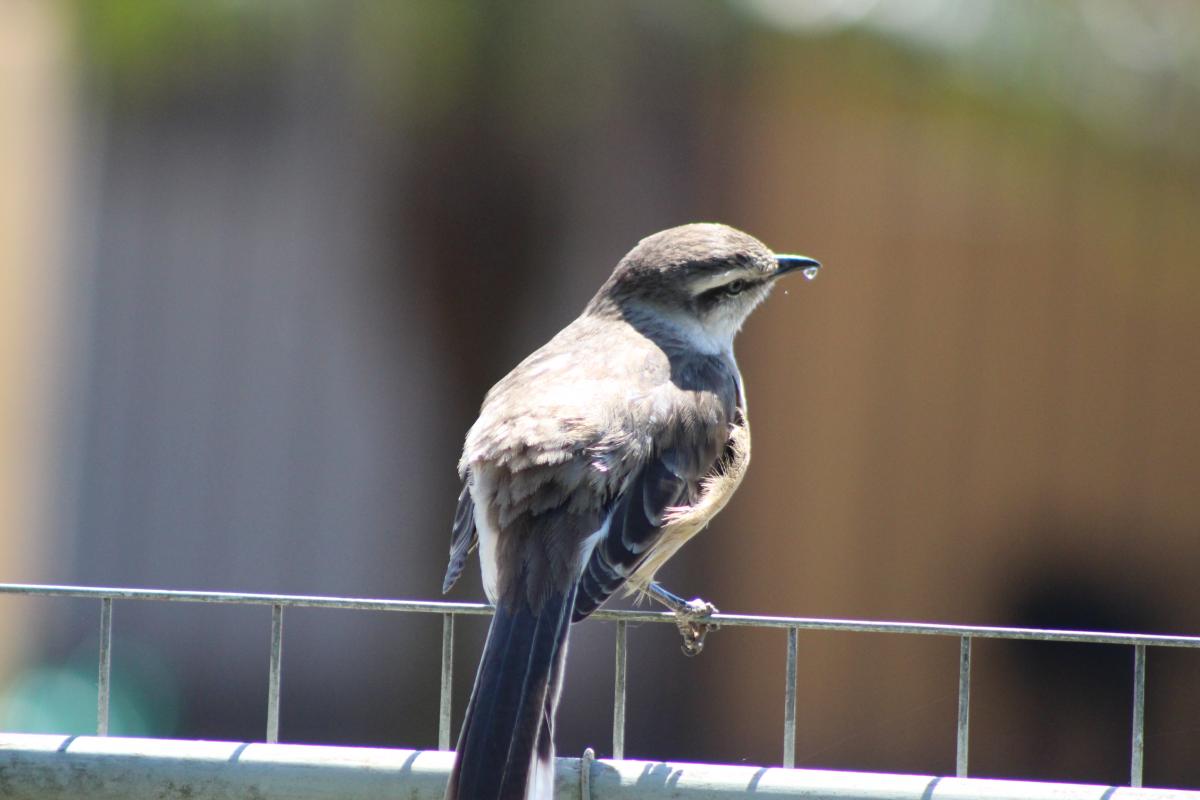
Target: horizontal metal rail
41,767
724,620
792,625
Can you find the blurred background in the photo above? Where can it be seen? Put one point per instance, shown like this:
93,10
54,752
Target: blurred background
259,261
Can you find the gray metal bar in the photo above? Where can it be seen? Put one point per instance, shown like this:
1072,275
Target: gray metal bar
789,699
964,706
730,620
447,681
585,773
619,692
276,667
1139,715
247,598
104,684
56,767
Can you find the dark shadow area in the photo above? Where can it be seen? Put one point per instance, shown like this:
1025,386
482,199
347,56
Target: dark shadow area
1071,704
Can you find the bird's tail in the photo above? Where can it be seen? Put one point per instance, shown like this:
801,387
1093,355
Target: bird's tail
506,748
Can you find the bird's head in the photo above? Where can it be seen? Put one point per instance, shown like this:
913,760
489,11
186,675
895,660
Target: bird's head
702,279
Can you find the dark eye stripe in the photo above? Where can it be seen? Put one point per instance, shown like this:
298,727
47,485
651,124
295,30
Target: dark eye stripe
710,297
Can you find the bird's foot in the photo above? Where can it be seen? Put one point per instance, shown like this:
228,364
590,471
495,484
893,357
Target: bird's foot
691,617
693,626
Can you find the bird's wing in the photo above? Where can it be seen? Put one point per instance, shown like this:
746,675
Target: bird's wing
716,488
634,526
463,536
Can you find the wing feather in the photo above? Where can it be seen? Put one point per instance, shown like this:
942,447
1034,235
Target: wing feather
635,524
463,536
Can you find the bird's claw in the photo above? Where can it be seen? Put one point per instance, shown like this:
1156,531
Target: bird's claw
693,627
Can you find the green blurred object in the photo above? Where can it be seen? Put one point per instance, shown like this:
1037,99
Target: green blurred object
147,46
61,698
48,699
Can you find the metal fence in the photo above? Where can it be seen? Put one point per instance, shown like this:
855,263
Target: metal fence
792,626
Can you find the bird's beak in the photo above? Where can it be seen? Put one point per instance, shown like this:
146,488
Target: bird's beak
810,266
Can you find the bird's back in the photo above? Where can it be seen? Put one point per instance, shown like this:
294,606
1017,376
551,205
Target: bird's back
567,427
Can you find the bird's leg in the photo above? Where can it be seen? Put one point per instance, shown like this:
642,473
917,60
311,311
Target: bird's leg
690,616
697,607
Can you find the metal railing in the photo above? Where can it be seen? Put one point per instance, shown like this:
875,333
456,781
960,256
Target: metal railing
792,625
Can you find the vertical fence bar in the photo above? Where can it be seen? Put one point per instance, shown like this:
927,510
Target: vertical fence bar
619,692
103,686
964,706
1139,715
276,665
789,699
447,680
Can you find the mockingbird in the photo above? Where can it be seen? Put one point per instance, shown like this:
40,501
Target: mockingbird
590,465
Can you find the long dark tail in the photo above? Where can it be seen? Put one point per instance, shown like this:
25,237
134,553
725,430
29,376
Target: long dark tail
506,748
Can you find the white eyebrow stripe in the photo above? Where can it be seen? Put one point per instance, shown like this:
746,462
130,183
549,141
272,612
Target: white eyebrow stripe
701,285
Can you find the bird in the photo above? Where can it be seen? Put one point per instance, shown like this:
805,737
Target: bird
590,464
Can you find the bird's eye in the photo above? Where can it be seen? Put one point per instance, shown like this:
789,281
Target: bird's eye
736,287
